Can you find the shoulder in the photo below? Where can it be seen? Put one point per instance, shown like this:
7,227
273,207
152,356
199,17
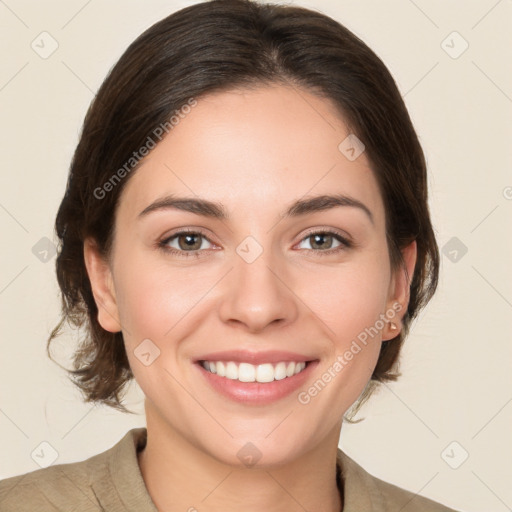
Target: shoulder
71,486
396,498
367,492
51,488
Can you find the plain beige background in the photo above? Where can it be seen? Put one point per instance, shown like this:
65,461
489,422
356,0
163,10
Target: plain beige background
455,397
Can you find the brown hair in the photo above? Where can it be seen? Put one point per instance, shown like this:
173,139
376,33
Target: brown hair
210,47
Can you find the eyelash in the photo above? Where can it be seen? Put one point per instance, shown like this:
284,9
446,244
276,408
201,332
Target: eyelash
162,245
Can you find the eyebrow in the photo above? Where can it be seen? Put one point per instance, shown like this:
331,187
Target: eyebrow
216,210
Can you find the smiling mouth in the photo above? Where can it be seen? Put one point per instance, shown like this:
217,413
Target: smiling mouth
262,373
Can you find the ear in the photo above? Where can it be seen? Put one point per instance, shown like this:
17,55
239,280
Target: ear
399,291
102,285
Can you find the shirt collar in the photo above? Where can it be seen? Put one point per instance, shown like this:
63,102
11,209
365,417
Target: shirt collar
358,492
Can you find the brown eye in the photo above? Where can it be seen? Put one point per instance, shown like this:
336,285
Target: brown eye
326,241
321,241
189,241
184,242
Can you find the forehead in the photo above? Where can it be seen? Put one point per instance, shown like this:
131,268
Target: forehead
254,150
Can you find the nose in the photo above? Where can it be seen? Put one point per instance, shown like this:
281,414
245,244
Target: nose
258,294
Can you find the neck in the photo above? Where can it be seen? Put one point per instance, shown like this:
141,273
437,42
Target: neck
181,477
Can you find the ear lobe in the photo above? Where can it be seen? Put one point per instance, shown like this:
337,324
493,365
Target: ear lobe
102,285
401,287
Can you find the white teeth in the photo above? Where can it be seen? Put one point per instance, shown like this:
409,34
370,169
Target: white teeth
246,372
265,373
231,371
221,369
280,371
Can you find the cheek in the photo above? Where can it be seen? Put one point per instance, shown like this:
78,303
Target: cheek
348,298
156,303
154,298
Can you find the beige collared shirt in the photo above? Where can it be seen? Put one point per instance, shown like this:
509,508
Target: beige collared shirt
112,482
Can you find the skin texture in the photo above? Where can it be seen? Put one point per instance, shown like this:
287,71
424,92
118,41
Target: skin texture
254,151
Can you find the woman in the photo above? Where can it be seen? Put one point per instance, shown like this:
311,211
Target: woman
245,231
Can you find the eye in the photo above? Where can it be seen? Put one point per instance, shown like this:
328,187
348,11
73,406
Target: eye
189,243
183,242
322,242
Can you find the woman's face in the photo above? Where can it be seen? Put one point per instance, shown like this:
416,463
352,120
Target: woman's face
255,287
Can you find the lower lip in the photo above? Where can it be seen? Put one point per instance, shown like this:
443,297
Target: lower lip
257,393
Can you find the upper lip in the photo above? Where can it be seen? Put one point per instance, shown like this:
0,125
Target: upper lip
244,356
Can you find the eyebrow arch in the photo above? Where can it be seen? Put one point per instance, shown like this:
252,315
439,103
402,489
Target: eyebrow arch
216,210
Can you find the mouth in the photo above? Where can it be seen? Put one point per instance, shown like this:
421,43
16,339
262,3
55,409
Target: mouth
247,372
255,378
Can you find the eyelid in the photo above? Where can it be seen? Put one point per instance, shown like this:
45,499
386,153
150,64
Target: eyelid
183,231
320,229
196,231
329,230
